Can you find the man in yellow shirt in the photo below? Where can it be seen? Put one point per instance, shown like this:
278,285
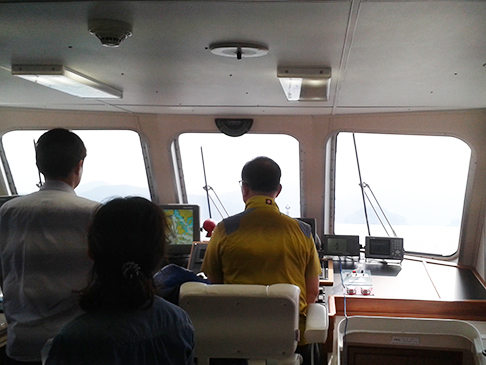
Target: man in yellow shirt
262,245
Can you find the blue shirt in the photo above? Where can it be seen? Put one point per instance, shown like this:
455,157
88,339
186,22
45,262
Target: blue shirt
162,334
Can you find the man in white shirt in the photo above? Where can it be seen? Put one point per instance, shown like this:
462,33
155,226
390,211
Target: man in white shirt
43,249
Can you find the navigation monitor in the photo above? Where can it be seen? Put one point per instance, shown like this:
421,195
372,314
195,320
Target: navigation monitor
184,223
339,245
384,248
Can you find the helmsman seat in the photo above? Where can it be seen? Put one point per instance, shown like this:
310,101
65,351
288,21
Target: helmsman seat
255,322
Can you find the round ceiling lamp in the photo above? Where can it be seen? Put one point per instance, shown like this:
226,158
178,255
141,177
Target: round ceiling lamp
238,50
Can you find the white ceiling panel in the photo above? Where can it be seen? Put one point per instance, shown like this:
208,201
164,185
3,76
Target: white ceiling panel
396,55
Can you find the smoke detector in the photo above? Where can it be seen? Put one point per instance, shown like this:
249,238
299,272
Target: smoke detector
110,32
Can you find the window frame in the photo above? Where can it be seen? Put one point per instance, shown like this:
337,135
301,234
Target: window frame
330,186
181,187
8,177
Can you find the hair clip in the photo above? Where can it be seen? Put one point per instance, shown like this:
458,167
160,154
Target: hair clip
130,270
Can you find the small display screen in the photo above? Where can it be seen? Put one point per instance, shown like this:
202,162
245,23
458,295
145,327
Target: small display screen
384,248
380,247
202,252
339,245
197,256
181,222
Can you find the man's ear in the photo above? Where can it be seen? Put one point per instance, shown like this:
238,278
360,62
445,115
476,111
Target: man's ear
245,191
79,167
279,190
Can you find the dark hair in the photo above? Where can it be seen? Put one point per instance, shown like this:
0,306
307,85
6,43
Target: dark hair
127,241
57,153
261,174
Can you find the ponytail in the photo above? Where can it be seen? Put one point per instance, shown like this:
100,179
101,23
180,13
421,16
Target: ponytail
127,240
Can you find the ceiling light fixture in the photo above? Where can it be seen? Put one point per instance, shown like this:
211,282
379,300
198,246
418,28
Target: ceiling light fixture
305,83
238,50
66,80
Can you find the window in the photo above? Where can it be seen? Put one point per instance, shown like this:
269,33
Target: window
224,158
418,181
114,165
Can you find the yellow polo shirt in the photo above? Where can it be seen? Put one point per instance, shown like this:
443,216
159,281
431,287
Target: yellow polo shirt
263,246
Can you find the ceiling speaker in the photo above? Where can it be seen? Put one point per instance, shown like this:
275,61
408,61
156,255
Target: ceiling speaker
234,127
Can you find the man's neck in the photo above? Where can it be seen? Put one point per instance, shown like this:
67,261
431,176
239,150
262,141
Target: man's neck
69,180
252,193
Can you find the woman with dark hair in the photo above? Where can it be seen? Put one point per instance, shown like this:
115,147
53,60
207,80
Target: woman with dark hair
125,321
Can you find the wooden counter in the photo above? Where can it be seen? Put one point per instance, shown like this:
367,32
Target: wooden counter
416,288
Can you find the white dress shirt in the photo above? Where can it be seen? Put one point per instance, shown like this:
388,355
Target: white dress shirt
43,257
